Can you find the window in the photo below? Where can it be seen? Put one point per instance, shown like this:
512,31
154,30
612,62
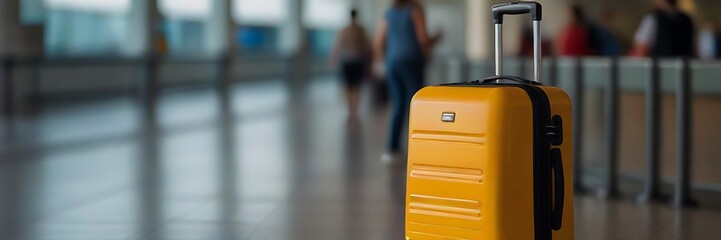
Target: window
185,9
96,6
324,18
186,25
184,37
260,25
260,12
326,14
321,41
257,39
86,28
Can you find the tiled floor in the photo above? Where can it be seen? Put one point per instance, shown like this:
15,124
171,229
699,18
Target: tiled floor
262,161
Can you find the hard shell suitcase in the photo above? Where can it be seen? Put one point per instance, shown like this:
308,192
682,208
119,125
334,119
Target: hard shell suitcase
491,159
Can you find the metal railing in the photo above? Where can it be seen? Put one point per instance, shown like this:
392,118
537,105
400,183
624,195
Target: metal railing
611,87
555,67
146,86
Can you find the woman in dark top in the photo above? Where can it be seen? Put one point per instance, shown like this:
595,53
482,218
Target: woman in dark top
403,42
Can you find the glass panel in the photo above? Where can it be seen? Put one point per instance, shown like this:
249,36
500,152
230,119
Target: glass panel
83,28
186,25
185,37
321,41
82,33
323,18
257,39
260,22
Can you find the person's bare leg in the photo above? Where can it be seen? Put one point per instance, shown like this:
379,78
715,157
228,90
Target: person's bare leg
348,94
353,95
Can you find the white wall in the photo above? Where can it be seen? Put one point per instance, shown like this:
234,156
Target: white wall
137,42
449,17
290,36
218,30
477,28
326,14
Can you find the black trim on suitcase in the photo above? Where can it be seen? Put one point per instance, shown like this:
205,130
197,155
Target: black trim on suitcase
543,162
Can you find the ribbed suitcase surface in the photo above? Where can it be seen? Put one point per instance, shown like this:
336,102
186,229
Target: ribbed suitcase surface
487,159
473,177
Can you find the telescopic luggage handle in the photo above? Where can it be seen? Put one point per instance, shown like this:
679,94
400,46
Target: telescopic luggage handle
515,8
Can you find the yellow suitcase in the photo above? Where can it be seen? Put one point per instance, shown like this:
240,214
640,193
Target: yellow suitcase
491,159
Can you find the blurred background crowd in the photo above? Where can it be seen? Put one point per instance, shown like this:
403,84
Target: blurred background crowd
225,119
57,28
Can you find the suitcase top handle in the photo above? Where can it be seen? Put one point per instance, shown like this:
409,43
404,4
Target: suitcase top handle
515,8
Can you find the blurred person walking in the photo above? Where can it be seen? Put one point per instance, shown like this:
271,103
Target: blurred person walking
404,43
352,53
606,39
666,32
574,40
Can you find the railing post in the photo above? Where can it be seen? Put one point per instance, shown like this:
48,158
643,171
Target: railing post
223,73
8,97
552,79
682,196
651,190
522,66
490,68
150,85
578,126
611,132
455,71
36,98
465,68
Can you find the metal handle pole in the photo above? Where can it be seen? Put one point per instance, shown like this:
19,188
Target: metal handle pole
499,49
537,51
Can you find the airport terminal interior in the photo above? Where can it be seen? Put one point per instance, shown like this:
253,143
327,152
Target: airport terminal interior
225,119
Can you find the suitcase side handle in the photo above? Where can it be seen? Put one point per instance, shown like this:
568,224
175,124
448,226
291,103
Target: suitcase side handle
515,8
559,188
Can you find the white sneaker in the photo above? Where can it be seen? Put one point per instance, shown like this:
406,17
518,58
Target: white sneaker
390,158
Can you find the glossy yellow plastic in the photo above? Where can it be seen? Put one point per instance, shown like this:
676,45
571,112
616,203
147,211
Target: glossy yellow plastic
472,178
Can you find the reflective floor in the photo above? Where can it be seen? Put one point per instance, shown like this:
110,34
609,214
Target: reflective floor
261,161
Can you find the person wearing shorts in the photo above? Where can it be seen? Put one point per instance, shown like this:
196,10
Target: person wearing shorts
351,53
